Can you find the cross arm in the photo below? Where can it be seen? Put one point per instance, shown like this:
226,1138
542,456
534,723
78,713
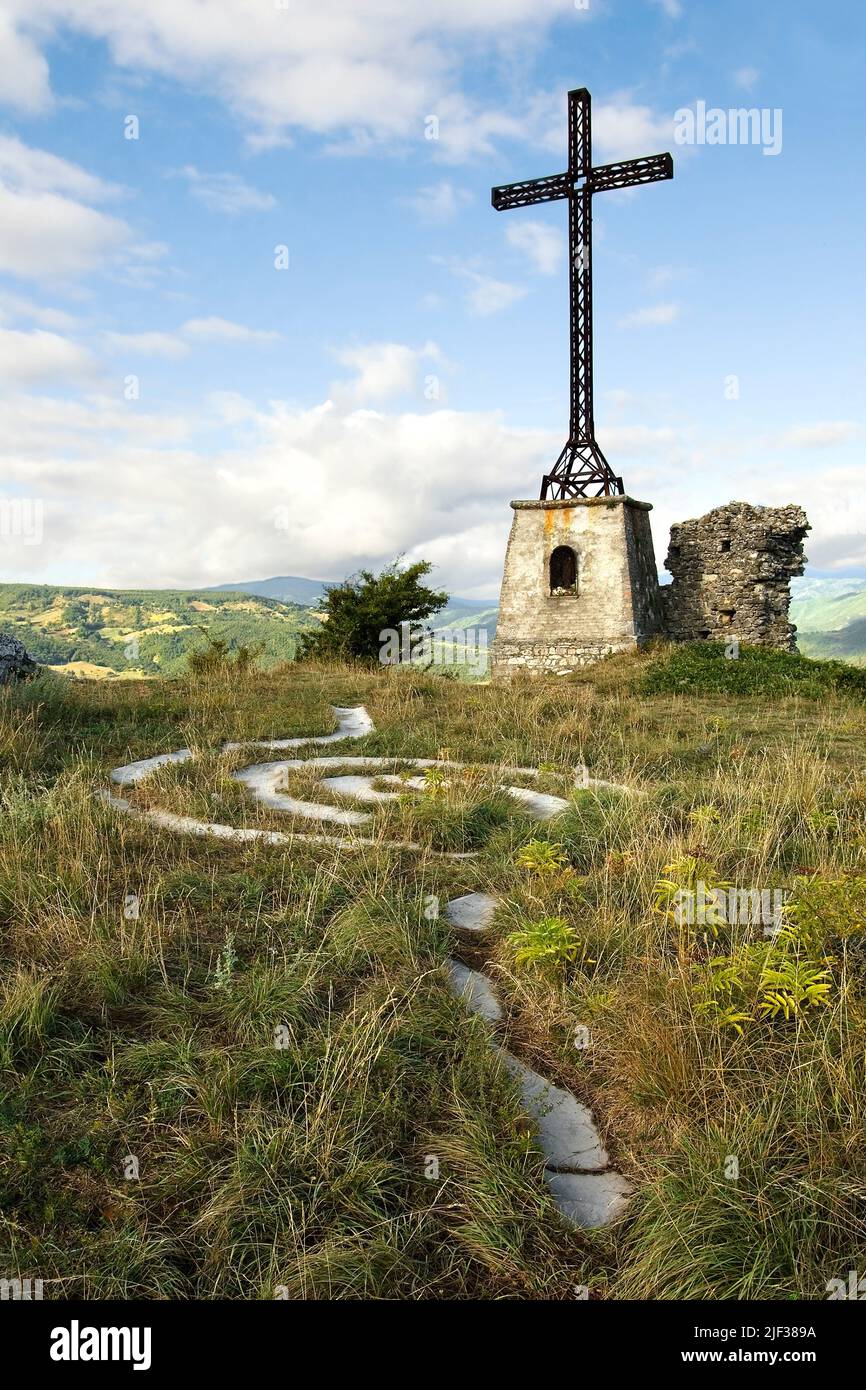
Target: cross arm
521,195
629,172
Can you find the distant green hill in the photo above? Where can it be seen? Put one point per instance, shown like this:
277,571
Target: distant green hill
113,633
831,618
131,632
461,613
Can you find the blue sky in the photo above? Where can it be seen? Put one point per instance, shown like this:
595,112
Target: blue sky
185,413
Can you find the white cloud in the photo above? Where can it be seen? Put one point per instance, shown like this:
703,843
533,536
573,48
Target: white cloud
24,80
176,344
305,491
31,170
15,308
46,237
672,8
486,294
439,202
46,233
226,192
652,315
383,371
623,130
819,435
152,344
26,358
746,77
662,275
217,330
540,242
371,69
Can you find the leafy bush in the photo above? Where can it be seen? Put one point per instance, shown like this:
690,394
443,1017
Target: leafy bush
698,668
829,912
762,981
220,658
355,612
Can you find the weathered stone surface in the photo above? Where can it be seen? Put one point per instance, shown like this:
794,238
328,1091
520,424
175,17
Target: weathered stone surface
588,1199
359,787
541,805
16,664
731,575
566,1130
472,914
613,605
476,992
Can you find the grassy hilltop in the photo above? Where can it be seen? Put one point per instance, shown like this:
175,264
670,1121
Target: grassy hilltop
306,1166
106,633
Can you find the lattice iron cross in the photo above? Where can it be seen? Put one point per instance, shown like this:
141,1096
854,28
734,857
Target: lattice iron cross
581,469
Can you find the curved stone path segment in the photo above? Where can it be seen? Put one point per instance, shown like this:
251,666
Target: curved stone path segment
262,781
541,804
566,1131
472,915
476,991
588,1199
585,1191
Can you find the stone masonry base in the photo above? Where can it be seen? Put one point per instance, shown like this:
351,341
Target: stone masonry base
551,659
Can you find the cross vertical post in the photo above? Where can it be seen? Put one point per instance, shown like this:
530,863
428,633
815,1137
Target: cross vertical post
581,469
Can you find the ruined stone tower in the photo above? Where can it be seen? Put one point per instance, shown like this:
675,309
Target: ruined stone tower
580,581
731,575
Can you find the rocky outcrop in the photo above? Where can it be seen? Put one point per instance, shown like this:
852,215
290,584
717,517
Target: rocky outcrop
15,662
732,571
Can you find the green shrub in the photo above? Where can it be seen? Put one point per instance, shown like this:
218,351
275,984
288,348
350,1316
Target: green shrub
701,668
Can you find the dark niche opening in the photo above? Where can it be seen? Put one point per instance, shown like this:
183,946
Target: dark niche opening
726,545
563,570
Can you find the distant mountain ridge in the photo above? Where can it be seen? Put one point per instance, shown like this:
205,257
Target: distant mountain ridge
105,633
294,588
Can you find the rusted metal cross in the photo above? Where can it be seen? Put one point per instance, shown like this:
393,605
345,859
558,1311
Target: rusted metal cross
581,469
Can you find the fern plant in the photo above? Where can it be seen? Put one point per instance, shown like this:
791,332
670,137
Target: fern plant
542,857
791,985
550,942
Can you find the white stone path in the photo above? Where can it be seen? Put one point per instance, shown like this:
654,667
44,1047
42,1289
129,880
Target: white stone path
585,1189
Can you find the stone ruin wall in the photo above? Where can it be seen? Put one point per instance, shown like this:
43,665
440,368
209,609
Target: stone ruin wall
731,575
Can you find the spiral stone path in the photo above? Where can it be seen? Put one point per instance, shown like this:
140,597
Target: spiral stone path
585,1189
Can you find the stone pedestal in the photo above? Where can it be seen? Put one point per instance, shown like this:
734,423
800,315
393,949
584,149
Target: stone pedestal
580,581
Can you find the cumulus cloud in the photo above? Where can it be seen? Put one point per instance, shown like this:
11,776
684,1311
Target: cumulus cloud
383,371
541,243
15,308
173,346
652,315
327,487
149,344
26,358
622,129
357,68
24,79
485,294
439,202
26,168
226,192
819,434
47,231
